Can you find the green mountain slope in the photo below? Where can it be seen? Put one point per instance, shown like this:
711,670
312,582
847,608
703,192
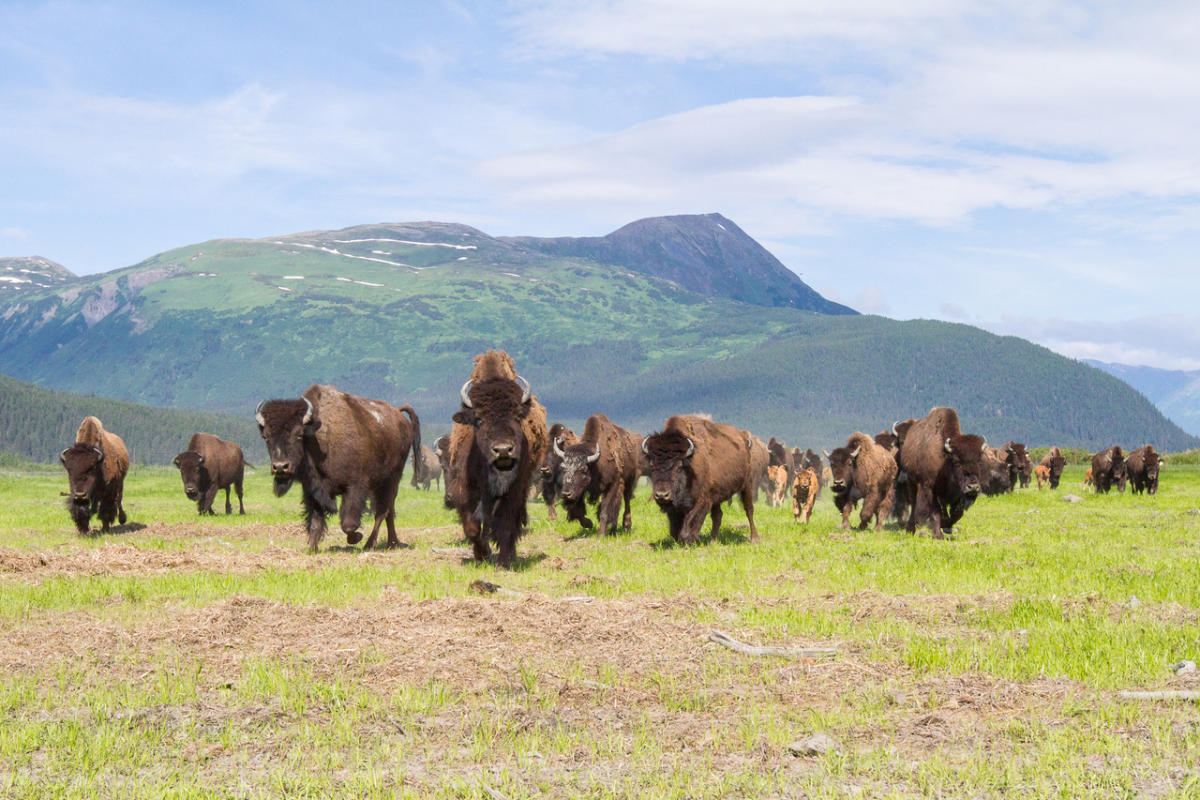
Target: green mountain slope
398,311
1174,392
37,424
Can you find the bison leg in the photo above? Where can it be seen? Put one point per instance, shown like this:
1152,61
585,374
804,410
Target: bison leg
354,502
237,485
808,506
228,505
748,507
385,502
577,511
717,514
210,494
627,518
609,507
551,510
314,517
675,523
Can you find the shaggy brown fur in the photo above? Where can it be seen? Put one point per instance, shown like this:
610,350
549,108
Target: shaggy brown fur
1108,469
96,467
1142,467
550,470
777,478
1088,481
695,466
804,494
602,468
351,446
431,471
1001,468
945,467
760,459
1054,463
208,465
863,469
1021,469
495,444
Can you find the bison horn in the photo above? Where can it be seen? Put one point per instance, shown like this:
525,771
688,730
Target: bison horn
894,432
691,448
985,447
63,455
947,444
594,456
99,453
308,415
524,385
258,417
826,452
854,452
464,394
558,451
645,449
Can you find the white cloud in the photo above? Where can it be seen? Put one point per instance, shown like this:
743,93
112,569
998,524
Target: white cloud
1167,341
12,232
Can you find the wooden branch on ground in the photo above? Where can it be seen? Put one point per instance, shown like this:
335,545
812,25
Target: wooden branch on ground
1173,694
492,793
725,639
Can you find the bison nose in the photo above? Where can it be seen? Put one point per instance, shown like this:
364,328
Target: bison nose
79,495
500,450
281,467
662,494
839,484
973,488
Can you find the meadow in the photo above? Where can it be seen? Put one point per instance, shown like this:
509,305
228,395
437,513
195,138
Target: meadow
180,657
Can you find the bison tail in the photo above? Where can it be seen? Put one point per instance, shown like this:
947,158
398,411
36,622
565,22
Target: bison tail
418,461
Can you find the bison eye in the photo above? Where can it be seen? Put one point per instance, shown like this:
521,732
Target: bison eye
477,422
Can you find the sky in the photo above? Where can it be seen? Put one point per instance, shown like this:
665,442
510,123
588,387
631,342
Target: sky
1029,168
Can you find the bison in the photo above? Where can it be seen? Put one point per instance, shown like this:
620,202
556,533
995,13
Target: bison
1001,469
894,440
338,444
946,469
1142,467
777,478
1054,462
760,459
1042,473
862,470
550,470
1021,469
804,494
96,467
695,466
430,472
208,465
602,467
498,438
1108,469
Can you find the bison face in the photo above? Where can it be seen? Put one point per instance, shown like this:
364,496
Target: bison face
670,455
82,462
283,425
191,465
841,464
495,408
576,469
967,462
1057,463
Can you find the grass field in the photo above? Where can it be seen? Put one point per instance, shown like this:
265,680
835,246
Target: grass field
188,658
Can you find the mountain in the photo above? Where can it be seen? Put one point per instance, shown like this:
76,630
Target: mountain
20,273
708,254
37,424
397,311
1174,392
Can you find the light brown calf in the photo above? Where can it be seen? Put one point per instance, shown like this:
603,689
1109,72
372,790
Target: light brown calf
804,494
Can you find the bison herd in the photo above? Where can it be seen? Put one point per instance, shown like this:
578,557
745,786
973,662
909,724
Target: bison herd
334,444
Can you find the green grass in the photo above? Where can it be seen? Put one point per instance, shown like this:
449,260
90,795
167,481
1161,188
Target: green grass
985,665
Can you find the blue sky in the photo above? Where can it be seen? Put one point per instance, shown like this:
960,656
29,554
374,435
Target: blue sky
1033,172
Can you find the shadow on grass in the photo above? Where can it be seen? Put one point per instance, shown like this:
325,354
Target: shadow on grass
725,536
116,530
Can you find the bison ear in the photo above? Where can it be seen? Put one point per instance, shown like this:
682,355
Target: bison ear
201,458
175,461
463,417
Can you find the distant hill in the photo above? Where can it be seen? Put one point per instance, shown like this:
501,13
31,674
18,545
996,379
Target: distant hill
1174,392
397,311
708,254
20,273
37,424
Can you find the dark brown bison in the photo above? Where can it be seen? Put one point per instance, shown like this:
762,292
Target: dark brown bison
894,440
946,470
1108,470
1022,465
1054,463
550,470
430,472
209,465
498,438
96,467
441,449
1141,465
602,468
695,466
862,470
1000,471
334,444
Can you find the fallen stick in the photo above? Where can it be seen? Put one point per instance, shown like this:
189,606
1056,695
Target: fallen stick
1177,694
723,638
492,793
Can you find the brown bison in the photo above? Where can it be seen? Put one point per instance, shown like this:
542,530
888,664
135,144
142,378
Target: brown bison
1054,463
695,466
760,459
208,465
894,440
804,494
862,470
550,470
1001,469
946,470
1142,467
430,472
96,467
1108,470
778,457
334,444
602,467
1042,473
1021,469
1088,480
777,477
498,438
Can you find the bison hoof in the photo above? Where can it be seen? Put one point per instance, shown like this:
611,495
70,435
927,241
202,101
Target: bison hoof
586,524
353,537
